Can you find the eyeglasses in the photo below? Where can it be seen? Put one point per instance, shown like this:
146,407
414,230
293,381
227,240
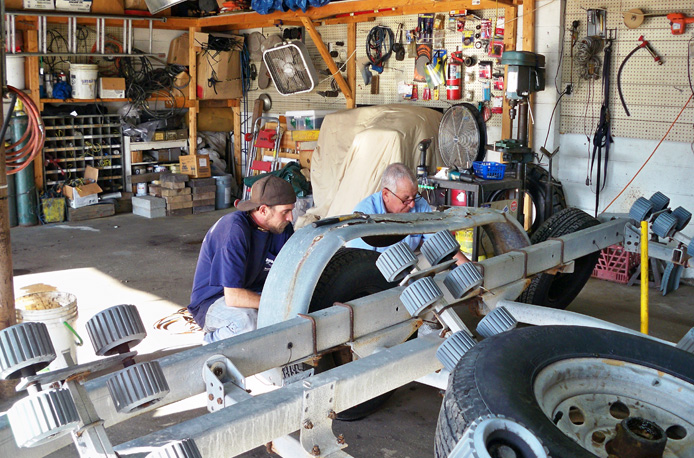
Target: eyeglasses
417,197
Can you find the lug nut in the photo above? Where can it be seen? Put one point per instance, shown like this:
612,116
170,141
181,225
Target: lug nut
308,424
332,415
316,450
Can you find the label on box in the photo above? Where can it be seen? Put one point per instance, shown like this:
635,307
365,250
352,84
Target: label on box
203,162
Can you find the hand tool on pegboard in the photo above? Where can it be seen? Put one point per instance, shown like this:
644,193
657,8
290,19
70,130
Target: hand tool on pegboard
644,44
678,21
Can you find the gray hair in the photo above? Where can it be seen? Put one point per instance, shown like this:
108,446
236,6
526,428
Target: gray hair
394,173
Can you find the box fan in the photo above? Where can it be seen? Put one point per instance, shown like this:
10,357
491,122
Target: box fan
291,68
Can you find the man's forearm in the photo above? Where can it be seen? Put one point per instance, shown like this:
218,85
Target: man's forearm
239,297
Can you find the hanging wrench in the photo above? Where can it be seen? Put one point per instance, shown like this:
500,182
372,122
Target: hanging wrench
649,48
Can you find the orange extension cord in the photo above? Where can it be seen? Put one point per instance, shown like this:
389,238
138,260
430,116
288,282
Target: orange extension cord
36,134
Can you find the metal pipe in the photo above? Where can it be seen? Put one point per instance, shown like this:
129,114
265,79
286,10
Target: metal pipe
523,123
644,277
84,15
247,351
150,37
545,316
251,423
90,54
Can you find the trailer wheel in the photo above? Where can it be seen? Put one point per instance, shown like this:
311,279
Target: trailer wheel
350,274
572,397
557,291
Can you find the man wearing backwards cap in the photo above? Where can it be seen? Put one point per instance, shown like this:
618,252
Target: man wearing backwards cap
235,258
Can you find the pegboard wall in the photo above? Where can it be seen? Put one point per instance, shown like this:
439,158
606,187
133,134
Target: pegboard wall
394,71
654,94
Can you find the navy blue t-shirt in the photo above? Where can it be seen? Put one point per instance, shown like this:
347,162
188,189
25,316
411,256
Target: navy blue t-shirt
234,254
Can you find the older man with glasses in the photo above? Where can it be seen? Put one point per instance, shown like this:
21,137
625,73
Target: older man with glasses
398,194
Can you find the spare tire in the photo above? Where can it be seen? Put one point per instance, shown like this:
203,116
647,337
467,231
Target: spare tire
536,189
571,386
349,275
559,290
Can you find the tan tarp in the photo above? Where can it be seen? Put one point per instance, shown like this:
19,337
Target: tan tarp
355,146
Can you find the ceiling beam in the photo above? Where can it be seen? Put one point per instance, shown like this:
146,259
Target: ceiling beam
325,54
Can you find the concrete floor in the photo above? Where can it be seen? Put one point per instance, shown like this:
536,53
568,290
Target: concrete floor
150,263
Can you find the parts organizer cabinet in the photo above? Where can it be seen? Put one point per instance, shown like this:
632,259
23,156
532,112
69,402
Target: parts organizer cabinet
75,142
130,147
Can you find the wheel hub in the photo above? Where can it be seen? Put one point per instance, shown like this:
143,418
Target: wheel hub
590,399
638,438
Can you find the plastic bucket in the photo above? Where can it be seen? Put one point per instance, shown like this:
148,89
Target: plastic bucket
223,194
58,311
83,79
14,69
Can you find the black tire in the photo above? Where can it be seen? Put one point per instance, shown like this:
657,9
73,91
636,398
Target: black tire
558,291
536,183
536,187
350,274
497,377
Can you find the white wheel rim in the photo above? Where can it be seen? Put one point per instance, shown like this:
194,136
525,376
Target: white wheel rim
591,396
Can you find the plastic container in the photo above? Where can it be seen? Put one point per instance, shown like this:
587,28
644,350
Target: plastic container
84,79
489,170
58,311
306,119
14,69
223,195
616,265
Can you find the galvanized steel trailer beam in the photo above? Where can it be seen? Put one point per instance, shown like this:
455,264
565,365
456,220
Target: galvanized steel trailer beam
259,420
371,314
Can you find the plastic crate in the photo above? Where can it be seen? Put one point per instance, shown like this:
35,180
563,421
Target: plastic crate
489,170
615,264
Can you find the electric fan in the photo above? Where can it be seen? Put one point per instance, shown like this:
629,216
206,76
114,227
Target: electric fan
462,136
291,68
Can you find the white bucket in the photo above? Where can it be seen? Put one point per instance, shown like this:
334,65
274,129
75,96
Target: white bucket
83,79
14,68
58,311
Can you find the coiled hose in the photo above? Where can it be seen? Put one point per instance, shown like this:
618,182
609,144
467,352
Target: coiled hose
18,160
586,57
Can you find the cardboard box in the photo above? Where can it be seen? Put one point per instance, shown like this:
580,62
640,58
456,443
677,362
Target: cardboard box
215,119
37,5
108,7
224,68
112,88
86,194
196,165
81,6
178,51
305,158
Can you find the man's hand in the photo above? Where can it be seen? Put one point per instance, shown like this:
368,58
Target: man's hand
239,297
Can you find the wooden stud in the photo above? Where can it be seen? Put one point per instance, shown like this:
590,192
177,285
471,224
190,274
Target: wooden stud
31,77
529,45
352,62
192,93
325,54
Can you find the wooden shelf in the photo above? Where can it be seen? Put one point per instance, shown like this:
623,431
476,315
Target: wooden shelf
180,101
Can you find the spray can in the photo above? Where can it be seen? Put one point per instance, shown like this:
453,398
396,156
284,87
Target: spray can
454,79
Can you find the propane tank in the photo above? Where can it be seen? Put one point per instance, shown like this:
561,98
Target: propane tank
453,79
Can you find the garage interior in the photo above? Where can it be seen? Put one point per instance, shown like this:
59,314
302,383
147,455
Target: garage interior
585,102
